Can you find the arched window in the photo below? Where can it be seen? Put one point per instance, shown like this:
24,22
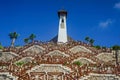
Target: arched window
62,20
62,23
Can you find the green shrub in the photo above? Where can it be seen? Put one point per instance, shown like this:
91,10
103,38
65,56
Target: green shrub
20,63
97,47
104,47
77,63
116,47
1,47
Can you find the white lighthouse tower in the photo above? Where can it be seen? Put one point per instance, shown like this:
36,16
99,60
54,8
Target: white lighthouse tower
62,33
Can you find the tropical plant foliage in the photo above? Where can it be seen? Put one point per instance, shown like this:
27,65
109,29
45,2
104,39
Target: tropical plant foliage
32,37
92,41
13,36
89,40
26,40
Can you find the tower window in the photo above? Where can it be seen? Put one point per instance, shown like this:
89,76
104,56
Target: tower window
62,20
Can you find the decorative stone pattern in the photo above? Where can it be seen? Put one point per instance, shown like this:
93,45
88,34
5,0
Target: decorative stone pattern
101,77
84,60
51,68
79,49
25,60
6,56
34,49
6,76
57,53
50,61
106,57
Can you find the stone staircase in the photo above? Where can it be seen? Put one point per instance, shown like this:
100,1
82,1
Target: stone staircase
7,76
93,76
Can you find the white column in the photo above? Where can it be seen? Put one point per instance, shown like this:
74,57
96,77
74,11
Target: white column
62,34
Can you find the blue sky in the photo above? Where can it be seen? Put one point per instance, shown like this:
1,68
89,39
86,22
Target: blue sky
98,19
